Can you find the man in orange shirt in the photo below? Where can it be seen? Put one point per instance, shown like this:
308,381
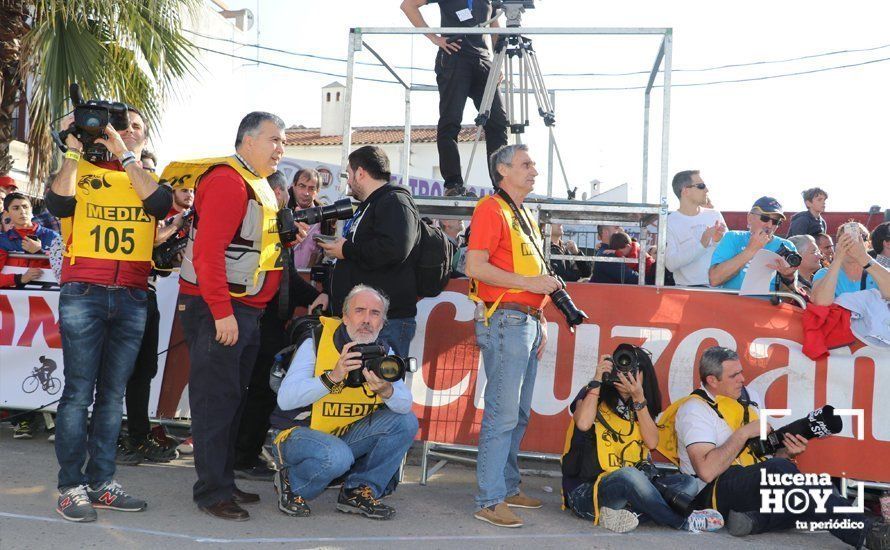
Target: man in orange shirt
508,280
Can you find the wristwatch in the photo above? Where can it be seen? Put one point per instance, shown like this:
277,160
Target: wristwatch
128,156
594,384
333,387
638,406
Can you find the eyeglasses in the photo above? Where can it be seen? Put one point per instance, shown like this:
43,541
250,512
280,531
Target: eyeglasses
766,219
697,186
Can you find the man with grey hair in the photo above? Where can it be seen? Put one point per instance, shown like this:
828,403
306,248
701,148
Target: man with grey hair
231,269
810,260
328,426
510,285
713,426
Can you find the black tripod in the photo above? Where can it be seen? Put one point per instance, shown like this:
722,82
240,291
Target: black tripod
515,57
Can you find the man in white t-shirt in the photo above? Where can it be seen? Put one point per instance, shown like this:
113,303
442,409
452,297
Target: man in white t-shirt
693,231
713,428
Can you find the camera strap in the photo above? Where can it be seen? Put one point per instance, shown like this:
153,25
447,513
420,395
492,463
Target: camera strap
525,222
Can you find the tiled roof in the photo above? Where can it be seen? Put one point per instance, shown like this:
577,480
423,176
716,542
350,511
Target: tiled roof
374,135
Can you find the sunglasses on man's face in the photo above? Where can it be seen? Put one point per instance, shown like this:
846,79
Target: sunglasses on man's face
698,186
767,219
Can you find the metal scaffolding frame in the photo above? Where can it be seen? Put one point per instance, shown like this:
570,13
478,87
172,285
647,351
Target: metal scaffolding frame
610,211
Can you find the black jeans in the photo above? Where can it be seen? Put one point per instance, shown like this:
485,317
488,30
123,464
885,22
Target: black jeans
139,385
459,77
738,488
261,399
217,390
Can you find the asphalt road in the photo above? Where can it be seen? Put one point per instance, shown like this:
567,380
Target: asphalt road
438,515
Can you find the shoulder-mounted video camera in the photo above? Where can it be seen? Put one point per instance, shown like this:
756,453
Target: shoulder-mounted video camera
386,367
287,218
90,119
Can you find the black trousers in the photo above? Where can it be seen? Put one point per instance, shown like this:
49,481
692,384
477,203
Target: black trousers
139,385
217,391
459,77
738,488
260,398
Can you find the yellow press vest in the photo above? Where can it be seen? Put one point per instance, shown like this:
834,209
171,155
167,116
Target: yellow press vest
109,221
257,248
526,261
336,412
620,446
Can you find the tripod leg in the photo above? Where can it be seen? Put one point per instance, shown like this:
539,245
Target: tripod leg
494,75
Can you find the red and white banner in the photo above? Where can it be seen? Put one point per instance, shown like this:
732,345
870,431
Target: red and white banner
676,326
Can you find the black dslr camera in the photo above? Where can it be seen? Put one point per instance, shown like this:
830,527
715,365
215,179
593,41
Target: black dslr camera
164,255
793,258
385,367
820,423
287,218
679,502
90,119
564,303
626,358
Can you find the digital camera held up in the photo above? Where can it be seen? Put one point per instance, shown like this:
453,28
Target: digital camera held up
287,218
627,359
793,258
386,367
90,119
818,424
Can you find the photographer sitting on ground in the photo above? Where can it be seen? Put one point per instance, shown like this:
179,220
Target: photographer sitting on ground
706,433
611,434
329,429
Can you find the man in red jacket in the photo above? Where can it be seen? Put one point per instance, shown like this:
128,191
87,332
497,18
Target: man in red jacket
109,210
231,270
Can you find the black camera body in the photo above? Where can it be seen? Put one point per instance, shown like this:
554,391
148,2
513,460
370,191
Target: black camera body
793,258
287,218
386,367
90,119
626,358
164,255
679,502
818,424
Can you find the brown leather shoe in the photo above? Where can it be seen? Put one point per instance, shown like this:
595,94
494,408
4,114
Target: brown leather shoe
226,510
241,497
521,500
501,516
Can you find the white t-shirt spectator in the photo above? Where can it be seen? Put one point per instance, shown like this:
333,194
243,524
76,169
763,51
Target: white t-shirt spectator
684,255
698,423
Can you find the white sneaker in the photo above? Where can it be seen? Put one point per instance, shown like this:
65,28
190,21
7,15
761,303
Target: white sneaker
619,521
708,520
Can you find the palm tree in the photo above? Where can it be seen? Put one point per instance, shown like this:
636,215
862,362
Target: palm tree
13,27
119,50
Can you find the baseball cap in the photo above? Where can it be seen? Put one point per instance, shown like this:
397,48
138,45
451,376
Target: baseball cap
767,205
8,182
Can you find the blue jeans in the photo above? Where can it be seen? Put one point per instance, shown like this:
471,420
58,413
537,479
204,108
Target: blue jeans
629,486
399,333
101,332
509,347
371,451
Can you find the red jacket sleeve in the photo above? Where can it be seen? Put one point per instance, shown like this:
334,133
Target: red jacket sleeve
6,280
220,204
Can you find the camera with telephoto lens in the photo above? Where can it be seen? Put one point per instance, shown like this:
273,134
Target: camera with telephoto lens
627,359
818,424
165,254
679,502
564,303
793,258
90,119
287,218
386,367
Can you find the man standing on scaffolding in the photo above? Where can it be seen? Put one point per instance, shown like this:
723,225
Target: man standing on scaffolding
462,67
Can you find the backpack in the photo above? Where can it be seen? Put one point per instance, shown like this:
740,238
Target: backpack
433,257
299,331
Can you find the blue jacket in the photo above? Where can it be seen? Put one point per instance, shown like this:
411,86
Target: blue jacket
11,241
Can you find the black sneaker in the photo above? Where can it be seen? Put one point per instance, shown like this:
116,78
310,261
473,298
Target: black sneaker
127,453
361,501
74,505
23,430
289,503
878,536
741,524
111,496
260,472
153,451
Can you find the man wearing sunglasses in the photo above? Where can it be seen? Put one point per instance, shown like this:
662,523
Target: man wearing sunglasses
729,264
693,231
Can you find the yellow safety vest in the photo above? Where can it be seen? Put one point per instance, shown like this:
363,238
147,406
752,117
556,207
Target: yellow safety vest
336,412
246,264
109,221
615,448
526,261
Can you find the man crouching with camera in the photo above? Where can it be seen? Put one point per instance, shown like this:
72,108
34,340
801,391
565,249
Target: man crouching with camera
606,466
338,415
714,434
